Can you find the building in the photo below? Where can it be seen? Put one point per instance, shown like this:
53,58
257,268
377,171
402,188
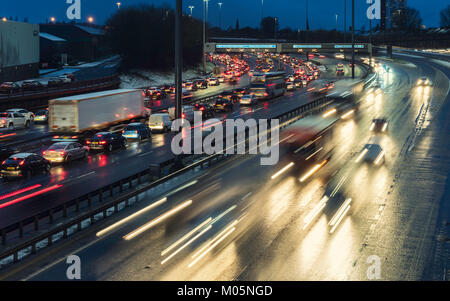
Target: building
53,50
19,51
83,42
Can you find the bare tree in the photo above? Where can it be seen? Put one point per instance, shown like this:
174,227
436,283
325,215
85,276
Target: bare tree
445,17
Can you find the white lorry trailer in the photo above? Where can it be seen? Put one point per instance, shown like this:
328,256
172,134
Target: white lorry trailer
72,117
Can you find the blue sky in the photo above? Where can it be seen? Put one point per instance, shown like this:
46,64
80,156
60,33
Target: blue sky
291,13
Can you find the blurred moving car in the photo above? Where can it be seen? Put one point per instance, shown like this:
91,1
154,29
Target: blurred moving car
154,93
160,122
65,152
106,141
24,165
379,125
201,83
424,81
55,82
371,153
137,130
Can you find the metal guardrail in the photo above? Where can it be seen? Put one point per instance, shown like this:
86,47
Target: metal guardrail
151,173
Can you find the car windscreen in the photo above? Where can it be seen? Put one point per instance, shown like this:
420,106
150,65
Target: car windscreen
132,128
58,146
41,113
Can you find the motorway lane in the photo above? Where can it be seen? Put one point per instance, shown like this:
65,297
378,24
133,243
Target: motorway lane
222,180
77,178
269,242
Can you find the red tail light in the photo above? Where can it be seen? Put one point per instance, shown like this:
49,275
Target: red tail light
88,142
22,163
62,153
44,153
4,162
102,142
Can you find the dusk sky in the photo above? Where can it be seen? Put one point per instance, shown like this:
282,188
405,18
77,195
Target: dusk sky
291,13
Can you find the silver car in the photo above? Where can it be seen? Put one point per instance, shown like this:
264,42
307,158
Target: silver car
63,152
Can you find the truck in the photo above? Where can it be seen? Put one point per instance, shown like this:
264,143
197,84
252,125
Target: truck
76,117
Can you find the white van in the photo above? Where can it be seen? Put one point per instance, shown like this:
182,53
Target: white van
160,122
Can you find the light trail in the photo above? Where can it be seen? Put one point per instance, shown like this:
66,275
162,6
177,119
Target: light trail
7,204
284,169
157,220
129,218
9,195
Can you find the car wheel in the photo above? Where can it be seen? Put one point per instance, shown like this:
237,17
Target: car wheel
110,148
86,155
27,124
124,144
68,159
11,126
47,168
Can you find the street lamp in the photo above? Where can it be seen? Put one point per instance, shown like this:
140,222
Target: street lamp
91,20
205,16
4,19
52,19
262,12
118,5
191,7
220,14
353,38
337,15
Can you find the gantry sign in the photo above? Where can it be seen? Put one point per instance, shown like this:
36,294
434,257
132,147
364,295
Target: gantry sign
288,47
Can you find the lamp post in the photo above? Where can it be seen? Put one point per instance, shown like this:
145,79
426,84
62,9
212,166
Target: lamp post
220,14
337,28
353,38
262,13
90,20
345,20
52,19
205,12
191,7
119,4
178,68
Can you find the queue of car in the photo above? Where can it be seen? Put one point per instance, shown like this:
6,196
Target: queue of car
36,85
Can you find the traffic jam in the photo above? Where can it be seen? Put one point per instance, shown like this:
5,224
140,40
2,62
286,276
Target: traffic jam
77,133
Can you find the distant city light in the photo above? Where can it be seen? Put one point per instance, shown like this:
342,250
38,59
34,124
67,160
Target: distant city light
91,20
119,4
52,19
4,19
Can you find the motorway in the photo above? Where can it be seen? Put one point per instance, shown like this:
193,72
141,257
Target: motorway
237,223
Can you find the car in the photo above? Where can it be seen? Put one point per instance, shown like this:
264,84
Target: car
239,93
206,109
106,141
65,79
424,81
24,165
6,152
213,81
65,152
28,115
160,122
229,96
41,116
32,85
248,99
339,56
201,83
190,86
154,93
221,79
223,104
371,153
379,125
9,88
12,120
55,82
290,86
168,89
137,130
